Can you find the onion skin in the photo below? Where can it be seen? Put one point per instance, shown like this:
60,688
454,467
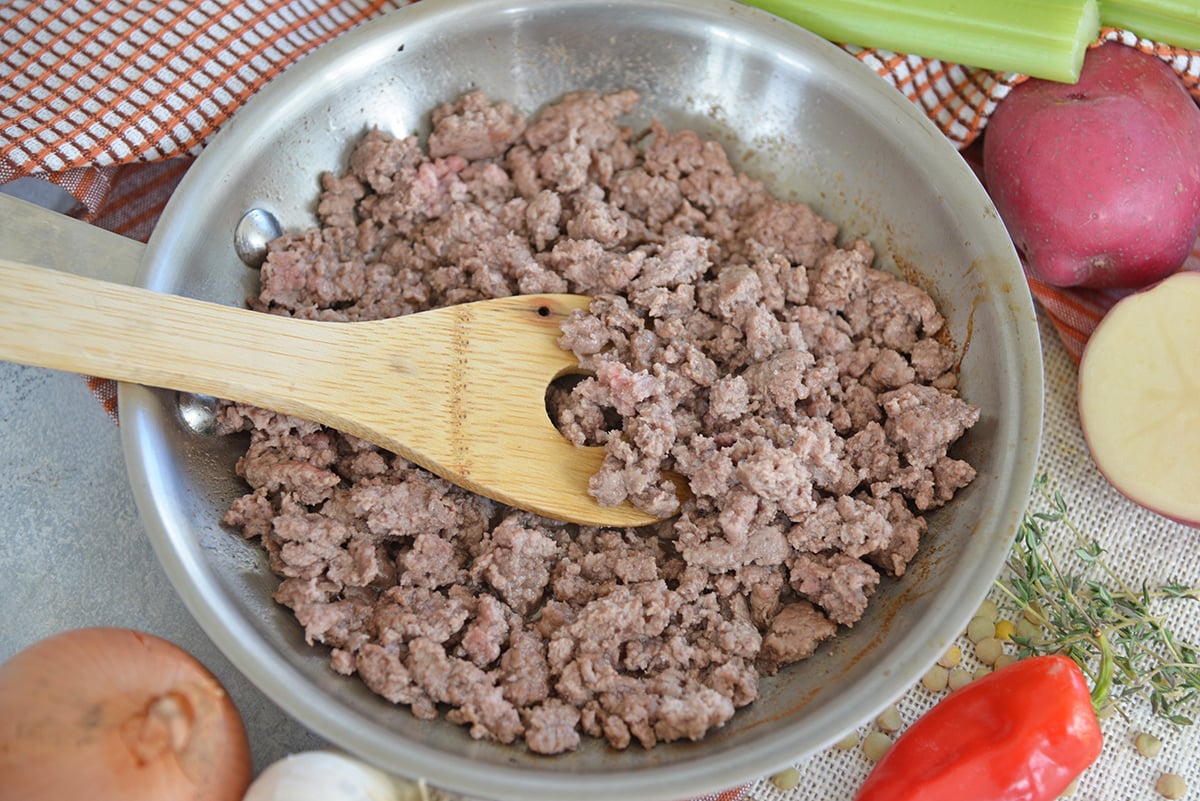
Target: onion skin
115,714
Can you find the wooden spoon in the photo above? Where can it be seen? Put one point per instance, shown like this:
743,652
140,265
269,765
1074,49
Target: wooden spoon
459,390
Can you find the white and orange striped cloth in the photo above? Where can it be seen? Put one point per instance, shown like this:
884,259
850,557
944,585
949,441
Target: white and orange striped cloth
94,84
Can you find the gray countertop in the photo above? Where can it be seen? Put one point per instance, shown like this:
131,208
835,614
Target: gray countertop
73,552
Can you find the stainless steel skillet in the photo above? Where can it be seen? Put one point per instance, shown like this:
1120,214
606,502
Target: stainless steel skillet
791,109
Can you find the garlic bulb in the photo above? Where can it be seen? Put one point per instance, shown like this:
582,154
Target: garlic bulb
330,776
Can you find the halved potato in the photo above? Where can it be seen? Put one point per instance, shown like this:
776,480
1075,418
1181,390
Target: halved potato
1139,397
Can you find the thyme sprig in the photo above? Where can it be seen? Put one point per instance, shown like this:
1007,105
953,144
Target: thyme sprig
1080,607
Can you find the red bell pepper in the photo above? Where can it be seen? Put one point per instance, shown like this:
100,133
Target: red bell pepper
1021,733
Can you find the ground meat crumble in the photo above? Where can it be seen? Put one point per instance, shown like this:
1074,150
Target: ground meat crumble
803,394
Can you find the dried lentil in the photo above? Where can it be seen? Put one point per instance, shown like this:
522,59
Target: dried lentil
786,779
875,745
1147,744
1171,785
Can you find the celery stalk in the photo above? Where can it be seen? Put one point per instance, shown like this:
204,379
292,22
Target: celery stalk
1042,38
1173,22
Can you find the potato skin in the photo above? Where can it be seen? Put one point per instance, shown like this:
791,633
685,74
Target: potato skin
1098,182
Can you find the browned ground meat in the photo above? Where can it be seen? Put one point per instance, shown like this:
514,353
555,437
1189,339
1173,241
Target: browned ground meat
802,393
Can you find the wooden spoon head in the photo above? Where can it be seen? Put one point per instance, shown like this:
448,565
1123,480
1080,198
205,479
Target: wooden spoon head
493,434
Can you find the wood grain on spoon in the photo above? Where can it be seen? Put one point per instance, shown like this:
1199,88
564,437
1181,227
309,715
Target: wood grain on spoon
460,390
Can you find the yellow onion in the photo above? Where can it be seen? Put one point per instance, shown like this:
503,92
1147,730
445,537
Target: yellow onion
112,714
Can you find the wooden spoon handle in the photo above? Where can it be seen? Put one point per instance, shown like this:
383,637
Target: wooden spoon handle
82,325
460,390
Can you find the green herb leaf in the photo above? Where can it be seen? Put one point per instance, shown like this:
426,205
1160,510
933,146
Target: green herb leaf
1093,616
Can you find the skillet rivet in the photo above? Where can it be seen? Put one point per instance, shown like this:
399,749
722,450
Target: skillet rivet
198,412
251,235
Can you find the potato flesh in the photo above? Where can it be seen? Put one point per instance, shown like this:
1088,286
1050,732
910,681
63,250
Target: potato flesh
1139,397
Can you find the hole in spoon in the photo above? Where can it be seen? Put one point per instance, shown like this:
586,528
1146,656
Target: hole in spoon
583,417
543,311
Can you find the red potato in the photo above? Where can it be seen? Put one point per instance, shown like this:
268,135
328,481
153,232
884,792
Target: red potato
1098,182
1139,397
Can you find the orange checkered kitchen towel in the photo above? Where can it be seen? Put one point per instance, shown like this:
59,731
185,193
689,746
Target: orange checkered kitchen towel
111,99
